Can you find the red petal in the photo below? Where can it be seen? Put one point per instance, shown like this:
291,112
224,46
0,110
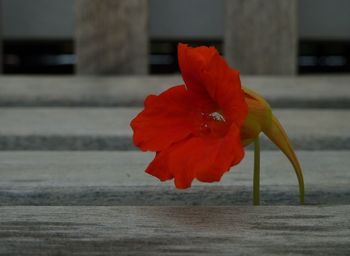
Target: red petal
207,74
206,159
165,120
193,62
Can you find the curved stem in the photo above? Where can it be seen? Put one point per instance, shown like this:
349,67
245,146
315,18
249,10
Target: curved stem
279,137
256,178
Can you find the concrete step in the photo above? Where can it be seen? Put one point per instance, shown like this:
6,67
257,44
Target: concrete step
238,230
287,92
108,128
118,178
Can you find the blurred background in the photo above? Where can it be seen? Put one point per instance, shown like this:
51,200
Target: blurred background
39,36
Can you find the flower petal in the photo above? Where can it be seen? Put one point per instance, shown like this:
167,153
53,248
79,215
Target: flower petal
165,120
192,62
206,159
207,74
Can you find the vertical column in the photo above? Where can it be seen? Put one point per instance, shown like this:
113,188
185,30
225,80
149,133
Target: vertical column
112,36
261,36
1,38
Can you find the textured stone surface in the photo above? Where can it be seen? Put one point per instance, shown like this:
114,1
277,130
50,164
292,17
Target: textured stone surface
118,178
112,36
166,196
261,36
108,128
284,91
277,230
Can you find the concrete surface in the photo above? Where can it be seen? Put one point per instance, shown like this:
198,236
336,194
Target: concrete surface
261,38
118,178
108,128
282,230
284,91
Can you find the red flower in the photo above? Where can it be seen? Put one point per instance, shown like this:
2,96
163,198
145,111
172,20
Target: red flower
194,128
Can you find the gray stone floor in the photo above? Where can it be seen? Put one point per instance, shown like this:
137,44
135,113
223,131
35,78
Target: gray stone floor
281,91
118,178
79,128
274,230
72,183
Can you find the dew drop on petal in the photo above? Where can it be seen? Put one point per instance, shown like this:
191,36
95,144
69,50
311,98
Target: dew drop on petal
213,125
217,117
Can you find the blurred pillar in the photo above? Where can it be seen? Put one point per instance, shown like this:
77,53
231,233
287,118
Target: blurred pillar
1,47
111,36
261,37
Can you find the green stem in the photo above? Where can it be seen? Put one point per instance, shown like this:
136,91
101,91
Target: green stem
256,178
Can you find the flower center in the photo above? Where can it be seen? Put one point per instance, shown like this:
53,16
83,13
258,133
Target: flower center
213,125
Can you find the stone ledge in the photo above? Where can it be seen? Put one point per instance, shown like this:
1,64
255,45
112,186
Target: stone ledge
118,178
112,143
281,91
109,129
167,196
